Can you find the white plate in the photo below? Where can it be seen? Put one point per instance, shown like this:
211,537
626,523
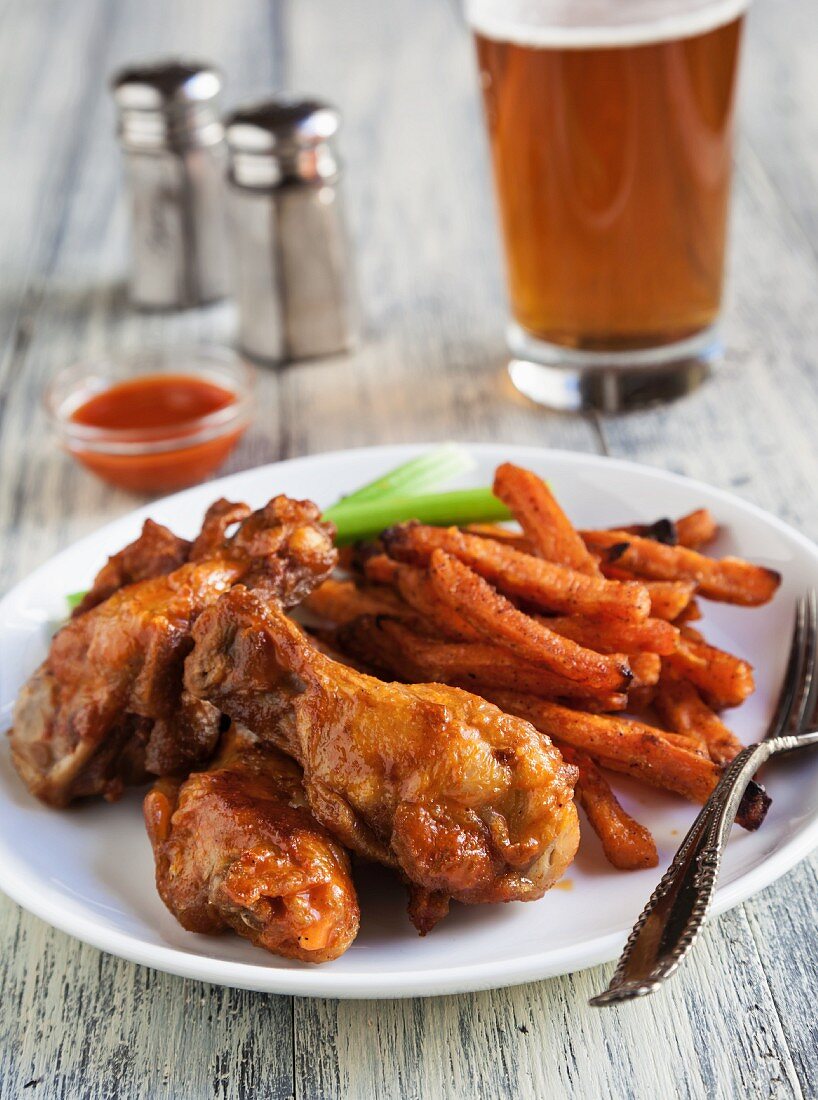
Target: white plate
89,871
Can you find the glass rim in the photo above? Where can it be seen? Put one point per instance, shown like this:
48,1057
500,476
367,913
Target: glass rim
590,24
67,391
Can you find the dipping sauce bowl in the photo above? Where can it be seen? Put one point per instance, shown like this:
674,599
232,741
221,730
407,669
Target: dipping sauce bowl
156,421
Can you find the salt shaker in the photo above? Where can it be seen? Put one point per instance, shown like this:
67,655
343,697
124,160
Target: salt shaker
292,270
173,142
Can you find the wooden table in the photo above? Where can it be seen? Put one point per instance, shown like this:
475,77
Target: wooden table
740,1020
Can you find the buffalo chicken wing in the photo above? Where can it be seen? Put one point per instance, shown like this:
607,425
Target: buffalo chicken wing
107,707
236,847
466,801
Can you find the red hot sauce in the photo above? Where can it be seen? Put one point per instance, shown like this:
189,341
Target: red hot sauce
173,437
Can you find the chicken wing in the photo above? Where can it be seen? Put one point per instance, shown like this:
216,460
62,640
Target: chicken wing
107,706
237,847
466,801
157,551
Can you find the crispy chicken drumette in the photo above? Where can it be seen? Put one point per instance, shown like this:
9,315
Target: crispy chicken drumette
237,847
466,801
107,706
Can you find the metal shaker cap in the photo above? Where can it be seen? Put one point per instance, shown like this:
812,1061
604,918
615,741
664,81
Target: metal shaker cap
278,140
168,103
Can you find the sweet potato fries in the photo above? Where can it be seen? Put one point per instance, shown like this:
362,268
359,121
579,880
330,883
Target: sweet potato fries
567,629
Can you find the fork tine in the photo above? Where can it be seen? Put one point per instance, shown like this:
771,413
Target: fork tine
810,707
806,677
791,688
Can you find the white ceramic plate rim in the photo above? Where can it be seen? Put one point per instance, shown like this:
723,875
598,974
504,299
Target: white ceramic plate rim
323,982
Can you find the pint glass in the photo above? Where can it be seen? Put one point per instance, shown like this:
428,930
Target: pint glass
611,131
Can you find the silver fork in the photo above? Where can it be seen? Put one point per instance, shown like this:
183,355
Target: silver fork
673,917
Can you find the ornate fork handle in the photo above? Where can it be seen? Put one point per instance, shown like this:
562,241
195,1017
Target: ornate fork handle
672,919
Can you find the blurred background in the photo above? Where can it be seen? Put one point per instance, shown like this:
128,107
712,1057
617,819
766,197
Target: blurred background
426,246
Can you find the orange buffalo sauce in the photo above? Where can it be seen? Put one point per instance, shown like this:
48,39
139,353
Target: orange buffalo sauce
149,435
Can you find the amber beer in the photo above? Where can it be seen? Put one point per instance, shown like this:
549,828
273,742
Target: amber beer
612,165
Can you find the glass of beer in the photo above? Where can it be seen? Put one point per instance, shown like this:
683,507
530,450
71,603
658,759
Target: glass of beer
611,131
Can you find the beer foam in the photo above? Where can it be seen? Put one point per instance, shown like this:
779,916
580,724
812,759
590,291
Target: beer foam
589,24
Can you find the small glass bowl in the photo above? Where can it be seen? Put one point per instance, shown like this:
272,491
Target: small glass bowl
153,460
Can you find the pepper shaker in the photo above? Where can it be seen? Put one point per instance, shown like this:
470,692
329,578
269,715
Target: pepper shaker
292,272
173,141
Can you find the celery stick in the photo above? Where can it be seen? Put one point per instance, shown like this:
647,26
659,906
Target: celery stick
367,519
418,475
399,495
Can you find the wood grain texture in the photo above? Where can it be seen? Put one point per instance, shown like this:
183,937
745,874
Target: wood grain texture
739,1020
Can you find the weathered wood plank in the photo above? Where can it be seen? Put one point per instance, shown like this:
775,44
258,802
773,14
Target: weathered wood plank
79,1023
700,1038
780,91
42,125
782,922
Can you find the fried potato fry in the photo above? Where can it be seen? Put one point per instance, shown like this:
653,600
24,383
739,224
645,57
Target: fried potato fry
646,669
661,530
640,700
326,641
681,706
341,601
690,614
499,620
357,554
416,589
629,746
389,645
380,569
691,744
495,531
752,809
366,642
724,680
730,580
623,739
547,620
546,585
668,599
650,636
545,525
696,529
627,845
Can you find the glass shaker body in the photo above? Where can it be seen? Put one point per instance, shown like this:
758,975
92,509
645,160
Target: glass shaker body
178,241
175,161
291,257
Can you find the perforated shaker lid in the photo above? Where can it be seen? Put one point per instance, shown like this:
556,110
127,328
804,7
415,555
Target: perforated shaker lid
279,139
169,101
